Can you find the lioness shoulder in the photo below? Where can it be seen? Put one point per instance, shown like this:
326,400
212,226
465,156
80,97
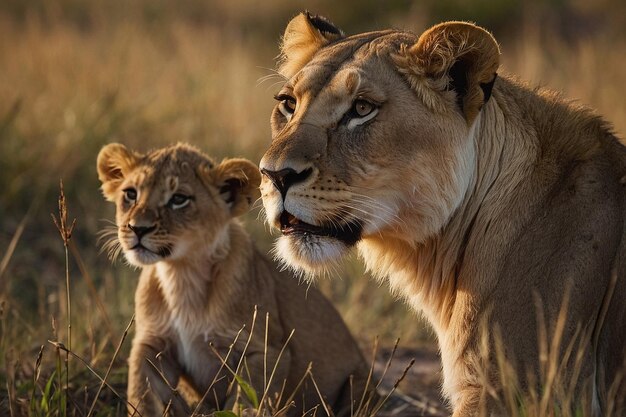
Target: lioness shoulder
491,207
202,279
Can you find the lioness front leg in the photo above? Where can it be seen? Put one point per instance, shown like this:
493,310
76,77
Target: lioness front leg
152,378
469,403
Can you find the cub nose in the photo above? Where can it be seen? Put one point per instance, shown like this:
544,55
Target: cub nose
141,231
285,178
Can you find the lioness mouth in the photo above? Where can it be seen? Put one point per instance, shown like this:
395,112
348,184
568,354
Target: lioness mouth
349,233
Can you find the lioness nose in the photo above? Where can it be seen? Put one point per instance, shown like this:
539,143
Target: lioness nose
141,231
285,178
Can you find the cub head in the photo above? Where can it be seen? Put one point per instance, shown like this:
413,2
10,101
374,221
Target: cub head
174,202
372,135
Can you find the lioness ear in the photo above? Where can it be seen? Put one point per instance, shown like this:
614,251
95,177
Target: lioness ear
304,36
115,161
455,56
238,181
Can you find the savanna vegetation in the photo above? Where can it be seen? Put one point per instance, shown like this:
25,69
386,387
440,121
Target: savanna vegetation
75,75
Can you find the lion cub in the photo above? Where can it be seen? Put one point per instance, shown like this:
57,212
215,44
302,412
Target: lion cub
201,280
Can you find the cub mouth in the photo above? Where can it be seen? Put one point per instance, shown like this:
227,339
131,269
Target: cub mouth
348,233
163,252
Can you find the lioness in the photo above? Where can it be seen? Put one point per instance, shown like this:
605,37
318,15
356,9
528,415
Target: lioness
478,198
201,280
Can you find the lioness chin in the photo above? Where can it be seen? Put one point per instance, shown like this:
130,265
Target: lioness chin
477,198
200,282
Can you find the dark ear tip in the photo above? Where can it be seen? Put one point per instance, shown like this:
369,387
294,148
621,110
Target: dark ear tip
323,24
487,87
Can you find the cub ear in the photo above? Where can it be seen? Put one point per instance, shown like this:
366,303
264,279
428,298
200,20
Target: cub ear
115,161
454,56
238,181
304,36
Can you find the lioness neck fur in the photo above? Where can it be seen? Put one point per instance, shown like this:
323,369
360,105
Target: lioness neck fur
490,207
201,280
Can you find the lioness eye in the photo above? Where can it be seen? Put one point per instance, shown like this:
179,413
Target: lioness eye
130,195
362,108
286,105
361,112
179,201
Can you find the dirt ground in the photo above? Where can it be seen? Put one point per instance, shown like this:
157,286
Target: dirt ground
418,394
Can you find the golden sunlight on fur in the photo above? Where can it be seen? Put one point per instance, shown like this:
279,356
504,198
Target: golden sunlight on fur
478,199
201,280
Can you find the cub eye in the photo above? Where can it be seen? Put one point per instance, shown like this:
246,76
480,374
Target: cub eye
130,195
286,105
179,201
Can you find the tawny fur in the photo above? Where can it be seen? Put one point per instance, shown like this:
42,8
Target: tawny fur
475,209
300,43
201,280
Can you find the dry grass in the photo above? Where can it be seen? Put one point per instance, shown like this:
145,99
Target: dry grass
557,388
589,70
65,90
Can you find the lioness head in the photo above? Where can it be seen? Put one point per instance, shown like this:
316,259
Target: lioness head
369,130
173,201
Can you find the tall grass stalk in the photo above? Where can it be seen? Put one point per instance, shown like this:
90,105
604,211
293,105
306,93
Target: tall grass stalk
106,375
12,245
36,375
61,347
223,364
384,399
62,394
271,378
559,387
66,235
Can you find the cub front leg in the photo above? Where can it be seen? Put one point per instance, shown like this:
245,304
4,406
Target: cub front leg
279,367
153,375
254,367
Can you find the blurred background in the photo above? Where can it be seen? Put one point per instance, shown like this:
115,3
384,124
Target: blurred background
77,74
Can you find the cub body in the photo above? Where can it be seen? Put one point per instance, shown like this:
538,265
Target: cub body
202,279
